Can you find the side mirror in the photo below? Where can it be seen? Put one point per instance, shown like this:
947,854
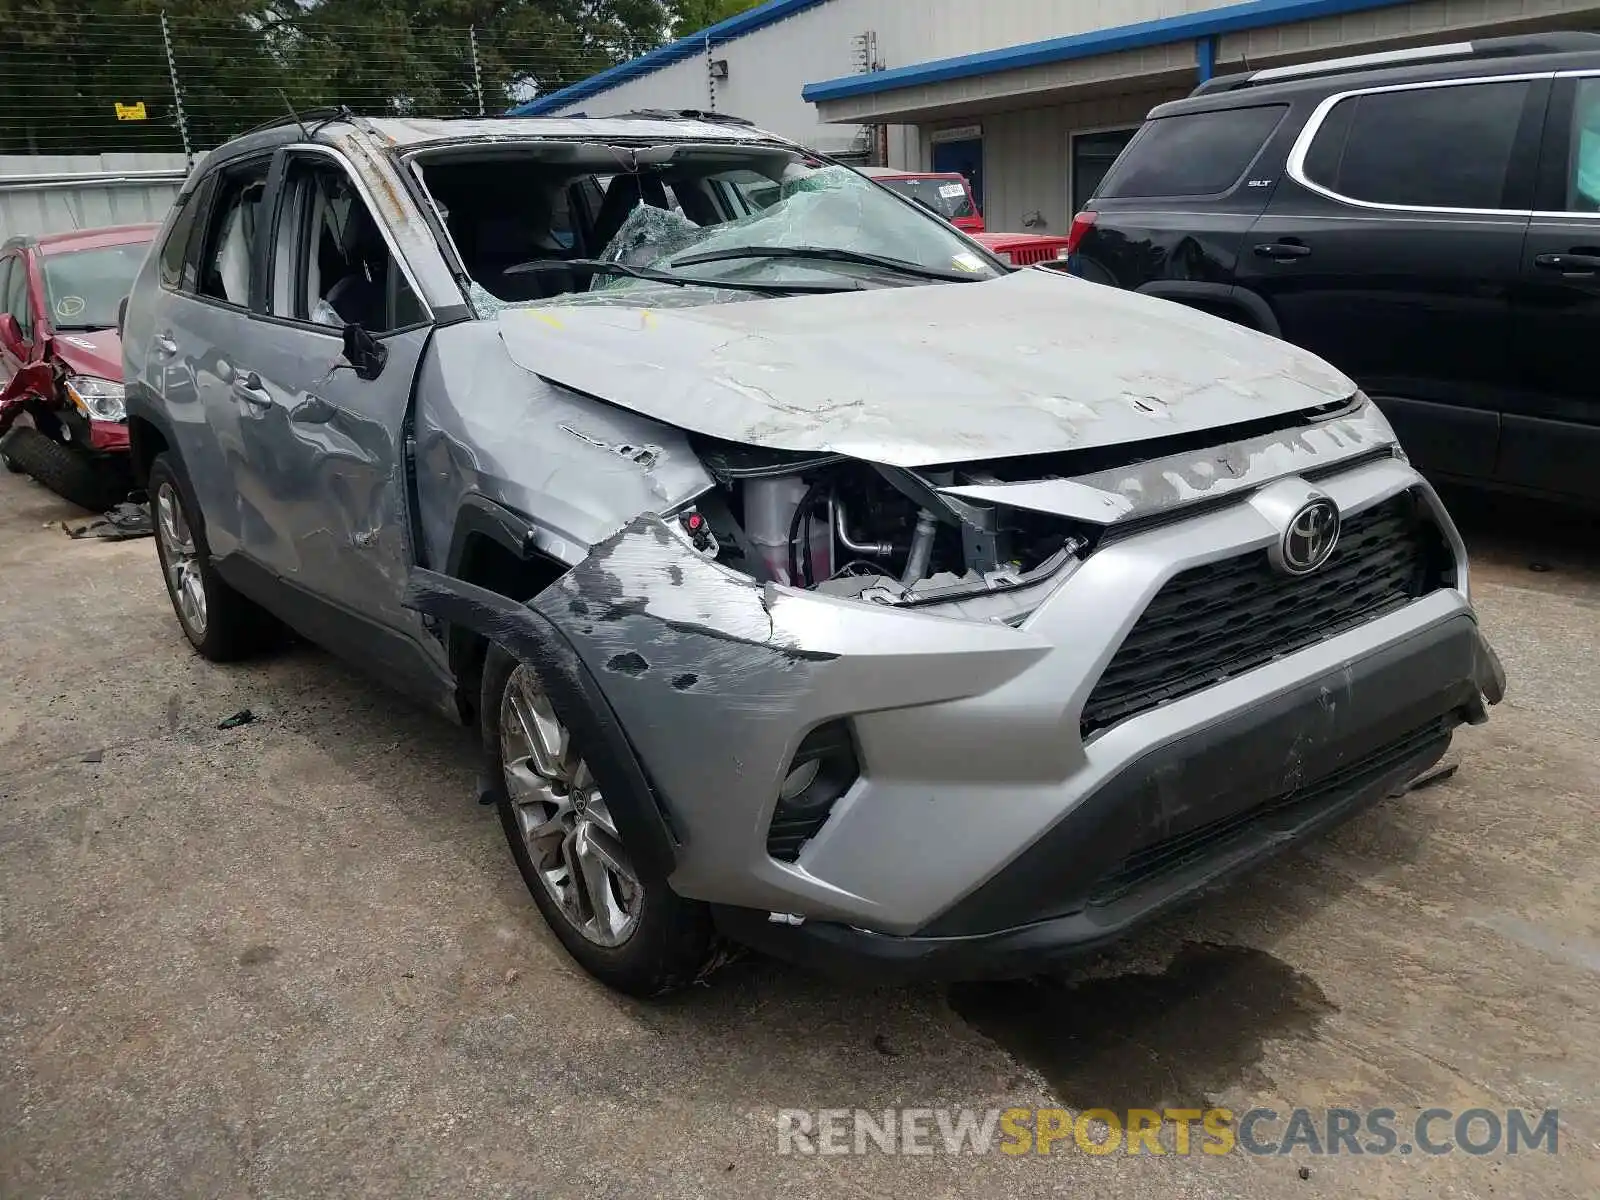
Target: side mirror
122,315
11,334
365,354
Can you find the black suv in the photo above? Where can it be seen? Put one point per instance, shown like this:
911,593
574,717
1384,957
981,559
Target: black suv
1427,220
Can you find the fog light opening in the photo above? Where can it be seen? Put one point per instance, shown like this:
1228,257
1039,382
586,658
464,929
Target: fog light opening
822,770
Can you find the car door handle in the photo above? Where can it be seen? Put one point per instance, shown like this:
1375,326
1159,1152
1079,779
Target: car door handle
247,387
1282,251
165,346
1569,264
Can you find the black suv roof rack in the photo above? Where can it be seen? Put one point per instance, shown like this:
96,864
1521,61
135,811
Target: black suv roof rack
1483,48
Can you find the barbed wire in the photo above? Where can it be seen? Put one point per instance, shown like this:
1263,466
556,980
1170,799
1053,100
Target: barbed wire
116,83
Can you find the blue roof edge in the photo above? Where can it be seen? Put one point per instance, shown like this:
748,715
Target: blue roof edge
1230,18
664,56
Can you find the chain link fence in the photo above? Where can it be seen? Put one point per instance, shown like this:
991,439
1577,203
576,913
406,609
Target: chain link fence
80,82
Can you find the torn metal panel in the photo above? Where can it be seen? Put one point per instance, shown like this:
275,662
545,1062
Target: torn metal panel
1030,363
578,470
631,801
402,218
718,678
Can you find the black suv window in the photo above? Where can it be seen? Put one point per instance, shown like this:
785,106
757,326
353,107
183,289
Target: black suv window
1192,154
1433,147
1583,170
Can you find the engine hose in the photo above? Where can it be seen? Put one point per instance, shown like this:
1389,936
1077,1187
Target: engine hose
800,510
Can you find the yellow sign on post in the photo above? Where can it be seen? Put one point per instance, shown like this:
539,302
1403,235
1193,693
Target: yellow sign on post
131,112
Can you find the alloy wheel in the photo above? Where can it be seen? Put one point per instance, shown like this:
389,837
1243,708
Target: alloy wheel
565,824
181,556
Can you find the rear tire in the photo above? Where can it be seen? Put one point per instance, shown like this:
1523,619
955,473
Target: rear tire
219,622
627,928
89,481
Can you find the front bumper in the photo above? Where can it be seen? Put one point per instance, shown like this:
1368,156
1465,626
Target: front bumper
985,831
108,437
1182,819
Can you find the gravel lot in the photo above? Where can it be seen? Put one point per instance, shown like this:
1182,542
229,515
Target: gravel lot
294,957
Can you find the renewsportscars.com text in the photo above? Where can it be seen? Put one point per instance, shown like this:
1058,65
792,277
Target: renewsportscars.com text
1180,1131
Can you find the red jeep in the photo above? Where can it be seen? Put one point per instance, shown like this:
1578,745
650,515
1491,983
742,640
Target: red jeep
61,414
950,196
946,193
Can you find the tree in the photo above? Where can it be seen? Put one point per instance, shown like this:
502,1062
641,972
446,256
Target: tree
691,16
242,62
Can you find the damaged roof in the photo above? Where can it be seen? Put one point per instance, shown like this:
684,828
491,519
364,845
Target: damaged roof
411,132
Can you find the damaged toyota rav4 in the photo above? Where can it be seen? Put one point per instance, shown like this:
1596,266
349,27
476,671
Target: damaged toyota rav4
819,583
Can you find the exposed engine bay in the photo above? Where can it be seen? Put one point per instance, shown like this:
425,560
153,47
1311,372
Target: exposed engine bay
881,535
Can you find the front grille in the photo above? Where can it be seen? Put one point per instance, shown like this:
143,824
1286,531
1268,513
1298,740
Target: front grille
1148,864
1220,620
1027,256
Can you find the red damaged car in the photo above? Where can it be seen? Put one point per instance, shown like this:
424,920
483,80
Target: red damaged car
61,400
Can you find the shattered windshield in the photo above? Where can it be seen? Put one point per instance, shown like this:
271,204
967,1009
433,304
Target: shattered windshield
946,196
714,220
823,222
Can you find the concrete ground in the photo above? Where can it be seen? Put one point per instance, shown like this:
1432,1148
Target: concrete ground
294,957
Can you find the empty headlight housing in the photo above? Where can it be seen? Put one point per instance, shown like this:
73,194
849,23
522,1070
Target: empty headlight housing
822,770
101,399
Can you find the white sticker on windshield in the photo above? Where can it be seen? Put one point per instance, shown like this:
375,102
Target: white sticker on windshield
951,191
968,262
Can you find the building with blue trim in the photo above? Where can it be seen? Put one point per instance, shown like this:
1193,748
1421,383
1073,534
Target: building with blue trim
1032,99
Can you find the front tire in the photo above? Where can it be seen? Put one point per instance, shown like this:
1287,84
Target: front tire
92,482
219,622
627,928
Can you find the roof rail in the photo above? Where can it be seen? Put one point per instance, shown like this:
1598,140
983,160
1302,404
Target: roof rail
1483,48
681,114
330,112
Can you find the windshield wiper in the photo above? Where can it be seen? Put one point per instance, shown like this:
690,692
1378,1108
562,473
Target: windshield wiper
598,267
829,254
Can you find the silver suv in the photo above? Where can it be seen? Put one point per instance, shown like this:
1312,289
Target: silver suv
818,583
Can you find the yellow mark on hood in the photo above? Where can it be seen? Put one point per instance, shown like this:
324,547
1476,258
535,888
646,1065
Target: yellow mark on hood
546,318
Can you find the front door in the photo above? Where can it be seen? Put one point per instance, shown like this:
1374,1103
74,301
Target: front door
1392,249
1550,438
964,158
330,463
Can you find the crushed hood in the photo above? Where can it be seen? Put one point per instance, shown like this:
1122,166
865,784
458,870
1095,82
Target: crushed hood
97,352
1029,363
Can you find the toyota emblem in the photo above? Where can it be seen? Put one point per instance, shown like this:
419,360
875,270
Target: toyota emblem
1309,540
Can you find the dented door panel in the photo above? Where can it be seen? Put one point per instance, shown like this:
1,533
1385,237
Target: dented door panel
329,511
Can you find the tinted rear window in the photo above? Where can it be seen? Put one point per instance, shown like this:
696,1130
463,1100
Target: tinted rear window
1195,154
1439,147
947,197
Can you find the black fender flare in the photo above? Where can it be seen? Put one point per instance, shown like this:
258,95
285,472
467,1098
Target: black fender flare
534,639
140,409
478,516
1188,291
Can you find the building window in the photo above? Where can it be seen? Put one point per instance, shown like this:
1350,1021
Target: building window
1091,157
